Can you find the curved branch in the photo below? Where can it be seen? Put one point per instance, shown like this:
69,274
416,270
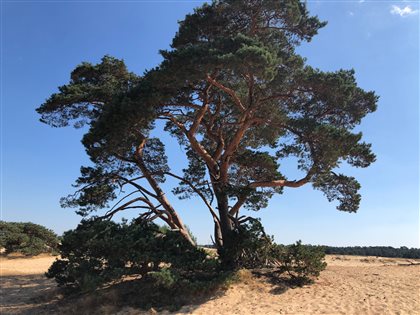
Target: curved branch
280,183
213,213
229,91
198,119
195,144
283,182
139,187
125,197
235,209
173,219
111,212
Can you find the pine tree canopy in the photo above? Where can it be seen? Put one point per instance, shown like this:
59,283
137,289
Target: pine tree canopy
238,98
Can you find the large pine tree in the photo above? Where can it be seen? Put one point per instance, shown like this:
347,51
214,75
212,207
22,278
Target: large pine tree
237,97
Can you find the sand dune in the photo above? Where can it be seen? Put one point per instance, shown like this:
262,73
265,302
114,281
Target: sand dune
349,285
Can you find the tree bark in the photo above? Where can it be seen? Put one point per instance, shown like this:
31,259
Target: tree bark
174,221
226,251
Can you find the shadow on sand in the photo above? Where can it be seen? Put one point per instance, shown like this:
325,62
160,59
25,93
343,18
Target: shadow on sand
280,282
21,294
35,294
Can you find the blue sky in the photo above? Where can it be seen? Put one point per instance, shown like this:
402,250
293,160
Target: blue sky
43,41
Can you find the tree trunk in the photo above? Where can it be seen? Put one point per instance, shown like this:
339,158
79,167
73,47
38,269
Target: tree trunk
218,238
226,251
174,221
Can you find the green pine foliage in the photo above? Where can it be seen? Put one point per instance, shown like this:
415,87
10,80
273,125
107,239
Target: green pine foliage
255,249
302,263
99,252
27,238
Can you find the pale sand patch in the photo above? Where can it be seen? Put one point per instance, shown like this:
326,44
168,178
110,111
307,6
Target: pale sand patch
24,265
349,285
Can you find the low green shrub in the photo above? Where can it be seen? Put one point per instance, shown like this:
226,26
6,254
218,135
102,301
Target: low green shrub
170,272
163,278
255,249
99,252
27,238
251,246
300,262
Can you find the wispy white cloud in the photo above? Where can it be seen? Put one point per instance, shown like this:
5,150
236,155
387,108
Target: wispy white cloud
351,13
361,1
406,11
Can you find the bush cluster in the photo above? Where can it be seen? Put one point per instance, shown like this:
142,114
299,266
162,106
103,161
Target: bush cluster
171,271
27,238
255,249
301,262
98,252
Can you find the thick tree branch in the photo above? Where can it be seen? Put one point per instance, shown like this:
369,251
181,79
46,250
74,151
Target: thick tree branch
232,146
220,145
235,209
195,145
280,183
285,183
173,220
200,112
198,119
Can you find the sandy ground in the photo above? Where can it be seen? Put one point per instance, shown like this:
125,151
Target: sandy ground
349,285
23,285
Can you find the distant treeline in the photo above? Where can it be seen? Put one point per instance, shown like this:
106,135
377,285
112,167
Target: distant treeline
381,251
